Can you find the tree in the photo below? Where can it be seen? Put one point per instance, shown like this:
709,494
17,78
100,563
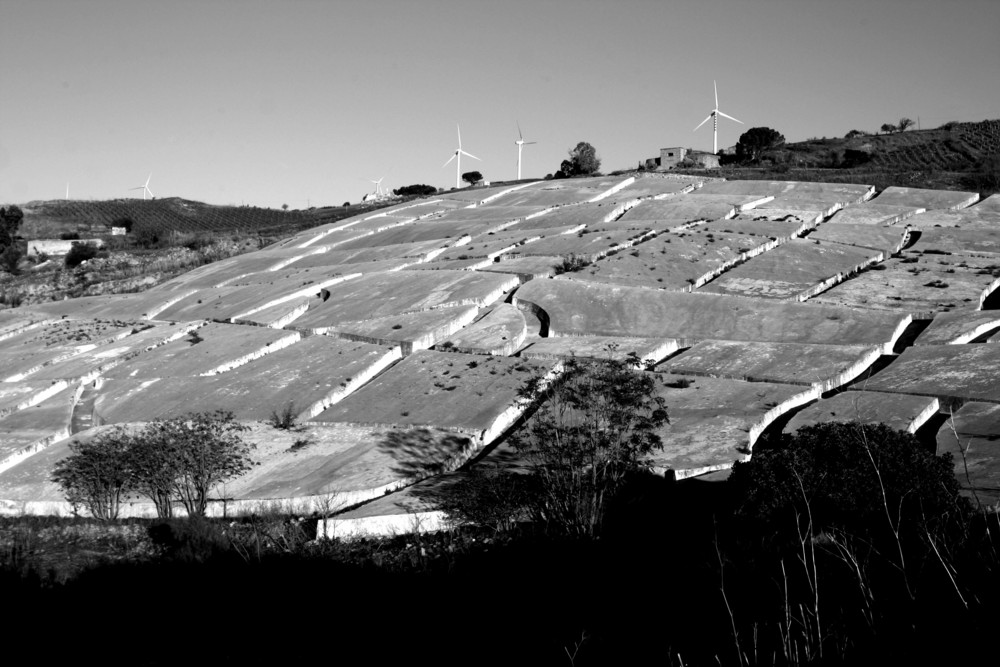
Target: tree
10,220
10,253
755,141
472,177
204,450
420,190
904,124
888,128
169,460
594,427
582,161
98,473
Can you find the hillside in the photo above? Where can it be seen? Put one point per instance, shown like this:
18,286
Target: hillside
44,219
955,156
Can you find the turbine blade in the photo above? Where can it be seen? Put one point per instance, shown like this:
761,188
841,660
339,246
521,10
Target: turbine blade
449,160
459,136
731,118
703,122
528,143
519,135
471,155
716,87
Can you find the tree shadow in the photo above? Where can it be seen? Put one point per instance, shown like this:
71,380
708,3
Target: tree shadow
422,452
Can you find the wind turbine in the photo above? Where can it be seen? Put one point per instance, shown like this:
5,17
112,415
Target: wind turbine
458,163
521,143
145,188
378,187
714,117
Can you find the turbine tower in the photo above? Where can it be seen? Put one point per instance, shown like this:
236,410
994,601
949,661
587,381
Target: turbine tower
144,187
457,156
521,143
714,117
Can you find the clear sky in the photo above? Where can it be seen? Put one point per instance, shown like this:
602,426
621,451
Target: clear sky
302,102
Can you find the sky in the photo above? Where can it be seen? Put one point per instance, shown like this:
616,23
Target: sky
302,102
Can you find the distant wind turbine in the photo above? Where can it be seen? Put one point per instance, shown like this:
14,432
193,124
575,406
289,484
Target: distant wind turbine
714,117
521,143
378,187
145,187
457,156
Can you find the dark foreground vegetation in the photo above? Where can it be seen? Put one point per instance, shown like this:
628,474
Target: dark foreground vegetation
841,546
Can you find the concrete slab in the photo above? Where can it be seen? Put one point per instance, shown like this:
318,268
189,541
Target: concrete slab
489,214
526,268
952,372
421,391
771,230
28,431
15,321
687,208
422,250
660,185
952,240
927,199
387,294
145,305
898,411
678,261
225,304
874,213
889,239
972,440
560,192
585,243
445,232
984,215
16,396
207,350
805,219
958,327
317,274
574,215
28,352
577,308
281,314
488,246
312,375
823,367
343,462
500,332
714,422
649,350
843,193
922,285
411,331
225,271
797,269
91,363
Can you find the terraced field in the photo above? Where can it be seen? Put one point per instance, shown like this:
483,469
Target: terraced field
400,338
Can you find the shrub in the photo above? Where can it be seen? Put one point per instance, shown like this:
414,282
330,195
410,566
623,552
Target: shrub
845,475
284,420
79,253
